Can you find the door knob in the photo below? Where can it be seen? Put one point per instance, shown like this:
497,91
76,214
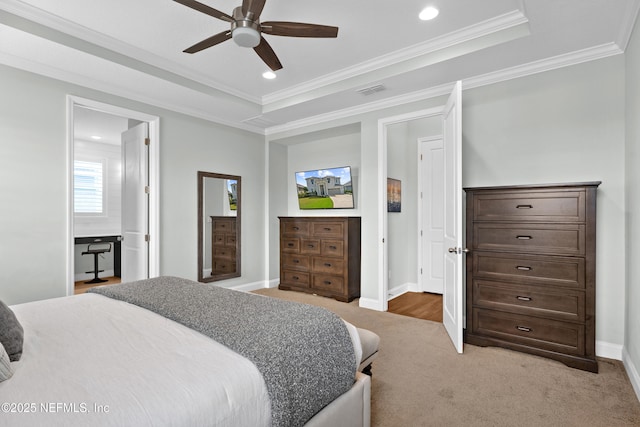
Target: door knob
453,250
458,250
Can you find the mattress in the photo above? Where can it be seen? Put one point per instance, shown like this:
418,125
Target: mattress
92,360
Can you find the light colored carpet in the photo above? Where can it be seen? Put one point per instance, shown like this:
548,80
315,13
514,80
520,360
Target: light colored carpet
419,379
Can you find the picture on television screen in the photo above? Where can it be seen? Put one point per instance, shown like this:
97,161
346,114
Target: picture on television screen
325,188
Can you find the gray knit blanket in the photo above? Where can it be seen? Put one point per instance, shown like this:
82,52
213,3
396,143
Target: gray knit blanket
303,352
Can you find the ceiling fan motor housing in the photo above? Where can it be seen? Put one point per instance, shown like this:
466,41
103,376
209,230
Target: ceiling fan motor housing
244,31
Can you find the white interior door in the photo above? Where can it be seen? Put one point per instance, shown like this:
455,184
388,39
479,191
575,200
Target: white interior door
431,172
135,203
453,253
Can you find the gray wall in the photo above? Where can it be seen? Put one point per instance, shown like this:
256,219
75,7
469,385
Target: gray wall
33,185
561,126
632,331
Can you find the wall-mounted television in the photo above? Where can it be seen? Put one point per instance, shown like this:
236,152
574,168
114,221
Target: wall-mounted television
329,188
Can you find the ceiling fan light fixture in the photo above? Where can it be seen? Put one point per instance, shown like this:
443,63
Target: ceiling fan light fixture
246,37
269,75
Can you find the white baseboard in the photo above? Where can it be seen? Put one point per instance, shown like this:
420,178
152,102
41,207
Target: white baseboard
248,287
608,350
397,291
632,372
273,283
371,304
83,277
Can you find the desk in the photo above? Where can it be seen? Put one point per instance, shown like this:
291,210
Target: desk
116,248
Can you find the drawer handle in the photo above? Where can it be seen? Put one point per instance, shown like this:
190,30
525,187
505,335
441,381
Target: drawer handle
327,229
327,282
333,247
296,261
290,245
523,329
524,237
296,228
521,298
523,268
327,264
310,246
296,278
524,207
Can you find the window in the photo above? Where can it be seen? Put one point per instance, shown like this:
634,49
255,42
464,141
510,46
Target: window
88,187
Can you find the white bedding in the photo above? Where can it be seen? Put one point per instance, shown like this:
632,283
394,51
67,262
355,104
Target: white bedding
89,360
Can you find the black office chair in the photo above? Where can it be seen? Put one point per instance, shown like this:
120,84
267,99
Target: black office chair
97,249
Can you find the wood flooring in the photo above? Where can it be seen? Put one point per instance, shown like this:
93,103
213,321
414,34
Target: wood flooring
421,305
81,287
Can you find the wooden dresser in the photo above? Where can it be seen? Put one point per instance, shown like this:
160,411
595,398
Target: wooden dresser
223,245
321,255
531,270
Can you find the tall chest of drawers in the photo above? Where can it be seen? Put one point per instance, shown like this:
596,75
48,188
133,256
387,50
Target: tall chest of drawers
223,245
531,270
321,255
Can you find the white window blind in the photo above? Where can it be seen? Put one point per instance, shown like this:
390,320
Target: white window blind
88,187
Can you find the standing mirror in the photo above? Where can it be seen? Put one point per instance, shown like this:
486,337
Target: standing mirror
218,226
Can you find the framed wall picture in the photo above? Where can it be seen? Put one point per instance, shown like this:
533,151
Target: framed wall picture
394,195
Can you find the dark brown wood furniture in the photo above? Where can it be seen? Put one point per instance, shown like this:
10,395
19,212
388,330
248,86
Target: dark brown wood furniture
321,255
531,270
223,244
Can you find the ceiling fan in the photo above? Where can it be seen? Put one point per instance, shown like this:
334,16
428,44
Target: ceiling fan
246,29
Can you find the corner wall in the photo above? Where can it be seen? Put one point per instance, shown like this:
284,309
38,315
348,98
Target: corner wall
34,180
631,355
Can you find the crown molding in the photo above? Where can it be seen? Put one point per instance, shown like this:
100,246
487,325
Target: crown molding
482,29
549,64
137,58
630,18
89,83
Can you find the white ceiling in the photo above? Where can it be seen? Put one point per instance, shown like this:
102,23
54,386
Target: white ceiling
134,49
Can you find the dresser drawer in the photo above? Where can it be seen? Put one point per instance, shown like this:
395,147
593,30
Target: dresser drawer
295,262
219,239
530,206
530,269
326,229
310,246
291,245
327,265
230,240
224,252
295,228
328,283
541,333
332,248
295,278
566,304
223,266
558,239
224,225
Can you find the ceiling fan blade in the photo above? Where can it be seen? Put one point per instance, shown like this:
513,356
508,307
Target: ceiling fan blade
252,6
298,29
205,9
211,41
267,54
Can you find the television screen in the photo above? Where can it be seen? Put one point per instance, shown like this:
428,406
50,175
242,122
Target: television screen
325,188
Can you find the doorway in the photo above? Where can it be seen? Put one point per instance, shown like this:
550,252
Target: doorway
101,220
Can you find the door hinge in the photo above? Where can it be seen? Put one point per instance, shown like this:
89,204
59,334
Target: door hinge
147,238
420,156
147,190
147,141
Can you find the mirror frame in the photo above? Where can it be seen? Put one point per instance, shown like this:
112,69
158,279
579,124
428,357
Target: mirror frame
201,238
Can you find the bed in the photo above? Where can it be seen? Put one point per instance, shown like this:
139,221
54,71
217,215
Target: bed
141,354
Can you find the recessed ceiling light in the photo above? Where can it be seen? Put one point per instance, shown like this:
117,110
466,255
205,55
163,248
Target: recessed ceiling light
428,13
269,75
96,137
